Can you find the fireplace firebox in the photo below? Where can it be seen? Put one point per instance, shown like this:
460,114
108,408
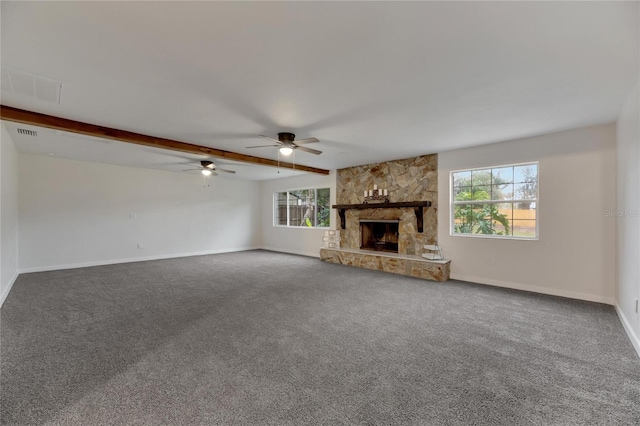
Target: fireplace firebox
379,235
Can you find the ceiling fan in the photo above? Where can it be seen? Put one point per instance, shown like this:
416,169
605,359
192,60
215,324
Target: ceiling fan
286,144
209,169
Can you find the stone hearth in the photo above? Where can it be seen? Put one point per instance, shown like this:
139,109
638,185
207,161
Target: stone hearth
413,266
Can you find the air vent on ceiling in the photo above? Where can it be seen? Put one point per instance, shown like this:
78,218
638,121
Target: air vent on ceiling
32,85
27,132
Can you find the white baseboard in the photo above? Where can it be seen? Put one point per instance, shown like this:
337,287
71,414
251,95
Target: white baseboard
536,289
301,253
131,259
635,341
6,291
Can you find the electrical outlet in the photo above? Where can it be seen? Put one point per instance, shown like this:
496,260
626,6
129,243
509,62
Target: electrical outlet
140,245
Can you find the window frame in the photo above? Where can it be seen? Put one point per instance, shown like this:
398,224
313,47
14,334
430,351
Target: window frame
513,201
315,206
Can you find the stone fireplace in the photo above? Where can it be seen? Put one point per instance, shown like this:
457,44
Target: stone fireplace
409,220
379,235
411,179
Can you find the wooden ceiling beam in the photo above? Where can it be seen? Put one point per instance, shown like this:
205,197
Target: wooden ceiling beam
36,119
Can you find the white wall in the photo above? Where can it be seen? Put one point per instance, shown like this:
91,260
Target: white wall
75,213
8,213
575,255
628,221
305,241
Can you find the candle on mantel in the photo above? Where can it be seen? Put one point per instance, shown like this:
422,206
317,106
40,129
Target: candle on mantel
375,187
386,193
365,192
379,191
370,193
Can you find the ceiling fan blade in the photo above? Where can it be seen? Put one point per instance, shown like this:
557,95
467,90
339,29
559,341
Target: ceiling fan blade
306,141
312,151
260,146
191,170
271,139
224,170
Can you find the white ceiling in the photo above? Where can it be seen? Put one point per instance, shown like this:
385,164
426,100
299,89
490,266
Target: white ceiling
373,81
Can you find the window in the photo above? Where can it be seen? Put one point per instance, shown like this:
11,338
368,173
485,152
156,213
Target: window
498,201
302,207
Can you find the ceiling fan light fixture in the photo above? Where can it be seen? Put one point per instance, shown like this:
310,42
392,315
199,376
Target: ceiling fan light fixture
285,150
206,172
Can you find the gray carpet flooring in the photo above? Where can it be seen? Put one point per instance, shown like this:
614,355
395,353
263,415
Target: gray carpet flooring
274,339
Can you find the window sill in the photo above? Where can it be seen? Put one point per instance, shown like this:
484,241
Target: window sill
302,227
496,237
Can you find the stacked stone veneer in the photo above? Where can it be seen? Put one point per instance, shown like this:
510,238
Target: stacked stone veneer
411,179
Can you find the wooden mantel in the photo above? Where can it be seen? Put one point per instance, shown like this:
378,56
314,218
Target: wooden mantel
416,205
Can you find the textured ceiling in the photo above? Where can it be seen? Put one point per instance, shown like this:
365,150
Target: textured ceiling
372,80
